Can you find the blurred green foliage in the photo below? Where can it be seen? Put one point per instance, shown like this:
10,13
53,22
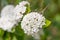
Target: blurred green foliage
52,13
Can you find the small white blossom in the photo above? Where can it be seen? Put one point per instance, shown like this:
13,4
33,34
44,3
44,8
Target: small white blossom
32,22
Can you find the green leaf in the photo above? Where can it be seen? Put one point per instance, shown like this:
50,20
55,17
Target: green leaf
14,38
17,2
28,9
47,23
19,32
1,32
13,30
7,36
1,38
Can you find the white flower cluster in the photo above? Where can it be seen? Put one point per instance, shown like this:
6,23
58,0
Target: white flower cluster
20,9
10,15
32,22
6,19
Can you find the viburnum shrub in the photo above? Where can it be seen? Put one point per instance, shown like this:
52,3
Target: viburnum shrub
30,22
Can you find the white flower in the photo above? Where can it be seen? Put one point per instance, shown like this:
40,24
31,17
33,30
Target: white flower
32,22
5,24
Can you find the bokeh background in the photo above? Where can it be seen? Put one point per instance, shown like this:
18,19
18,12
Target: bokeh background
52,13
